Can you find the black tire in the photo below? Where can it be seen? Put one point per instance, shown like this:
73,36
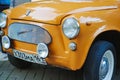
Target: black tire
96,58
19,63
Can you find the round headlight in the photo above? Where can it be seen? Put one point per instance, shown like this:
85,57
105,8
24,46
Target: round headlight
5,42
3,19
42,50
71,27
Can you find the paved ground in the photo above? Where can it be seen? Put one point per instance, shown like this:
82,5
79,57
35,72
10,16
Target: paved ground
38,72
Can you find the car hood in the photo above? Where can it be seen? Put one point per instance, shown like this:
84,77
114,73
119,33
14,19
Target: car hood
53,12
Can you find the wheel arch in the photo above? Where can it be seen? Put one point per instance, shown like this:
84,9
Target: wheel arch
112,36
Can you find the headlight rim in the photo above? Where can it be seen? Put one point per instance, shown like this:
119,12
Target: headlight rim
5,15
78,28
46,48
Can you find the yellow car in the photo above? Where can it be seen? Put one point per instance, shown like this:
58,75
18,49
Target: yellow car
71,34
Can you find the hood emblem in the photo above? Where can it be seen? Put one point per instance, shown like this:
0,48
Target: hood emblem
28,12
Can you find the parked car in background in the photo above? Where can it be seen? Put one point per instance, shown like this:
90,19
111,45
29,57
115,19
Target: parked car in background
71,34
4,4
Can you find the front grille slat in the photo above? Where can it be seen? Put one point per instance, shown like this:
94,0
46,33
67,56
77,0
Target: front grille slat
28,33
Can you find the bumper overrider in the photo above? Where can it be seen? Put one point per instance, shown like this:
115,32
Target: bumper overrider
30,34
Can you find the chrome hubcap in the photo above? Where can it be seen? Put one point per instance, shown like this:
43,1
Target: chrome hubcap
106,66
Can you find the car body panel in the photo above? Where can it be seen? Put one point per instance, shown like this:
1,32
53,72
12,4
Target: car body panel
94,19
53,12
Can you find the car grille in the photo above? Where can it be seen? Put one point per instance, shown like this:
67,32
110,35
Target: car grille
28,33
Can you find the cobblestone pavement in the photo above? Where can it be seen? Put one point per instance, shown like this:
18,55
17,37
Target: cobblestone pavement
3,57
38,72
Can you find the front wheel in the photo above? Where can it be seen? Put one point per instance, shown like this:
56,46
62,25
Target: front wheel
101,62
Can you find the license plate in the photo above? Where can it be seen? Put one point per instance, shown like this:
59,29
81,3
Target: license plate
29,57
